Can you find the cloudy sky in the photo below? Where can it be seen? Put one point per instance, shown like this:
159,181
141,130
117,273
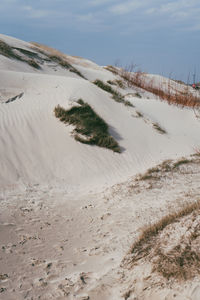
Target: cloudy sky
160,36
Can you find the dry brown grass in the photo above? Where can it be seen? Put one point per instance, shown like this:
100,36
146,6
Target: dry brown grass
167,166
50,50
182,262
57,57
171,95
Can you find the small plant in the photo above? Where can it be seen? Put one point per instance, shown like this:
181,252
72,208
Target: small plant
181,162
28,53
107,88
64,64
128,103
112,69
90,128
137,95
56,56
181,262
33,64
119,83
159,129
139,114
111,82
115,95
7,51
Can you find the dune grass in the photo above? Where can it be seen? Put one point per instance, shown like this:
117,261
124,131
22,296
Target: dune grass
57,57
90,128
115,95
182,262
159,128
9,52
172,95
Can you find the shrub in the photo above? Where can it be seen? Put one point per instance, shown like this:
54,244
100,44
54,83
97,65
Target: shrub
90,128
172,96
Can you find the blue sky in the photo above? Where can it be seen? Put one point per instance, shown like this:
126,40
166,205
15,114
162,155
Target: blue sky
160,36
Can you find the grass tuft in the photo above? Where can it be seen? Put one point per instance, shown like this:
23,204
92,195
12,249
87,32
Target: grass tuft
181,162
90,128
172,95
57,57
9,52
159,129
183,260
115,95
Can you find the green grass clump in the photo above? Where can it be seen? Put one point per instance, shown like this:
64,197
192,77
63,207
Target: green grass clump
90,128
64,64
115,95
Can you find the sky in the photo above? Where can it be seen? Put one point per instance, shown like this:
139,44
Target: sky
158,36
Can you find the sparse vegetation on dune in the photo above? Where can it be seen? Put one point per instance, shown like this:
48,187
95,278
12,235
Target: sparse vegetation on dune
116,82
57,57
181,261
167,166
115,95
159,128
172,95
90,128
9,52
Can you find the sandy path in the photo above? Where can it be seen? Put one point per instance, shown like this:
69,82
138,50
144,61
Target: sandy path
57,246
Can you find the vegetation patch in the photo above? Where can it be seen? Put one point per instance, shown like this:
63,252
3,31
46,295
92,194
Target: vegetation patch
64,64
33,64
115,95
137,95
173,95
112,69
116,82
181,162
159,129
139,114
181,260
57,57
90,128
14,98
28,53
9,52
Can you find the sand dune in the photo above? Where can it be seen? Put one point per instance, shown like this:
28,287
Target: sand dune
70,211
